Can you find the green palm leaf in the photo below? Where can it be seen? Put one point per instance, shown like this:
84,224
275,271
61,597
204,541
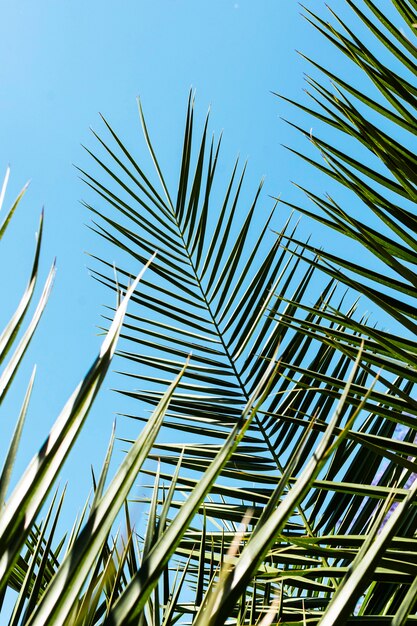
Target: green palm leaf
234,299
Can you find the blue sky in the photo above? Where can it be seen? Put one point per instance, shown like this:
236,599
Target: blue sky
62,63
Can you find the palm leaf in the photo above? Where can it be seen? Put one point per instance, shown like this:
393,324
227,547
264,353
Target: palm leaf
235,299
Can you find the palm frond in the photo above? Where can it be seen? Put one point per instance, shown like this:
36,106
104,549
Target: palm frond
237,300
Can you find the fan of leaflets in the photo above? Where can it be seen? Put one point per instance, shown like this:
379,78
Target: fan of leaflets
323,480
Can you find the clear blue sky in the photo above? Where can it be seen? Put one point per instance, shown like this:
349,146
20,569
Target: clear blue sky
64,61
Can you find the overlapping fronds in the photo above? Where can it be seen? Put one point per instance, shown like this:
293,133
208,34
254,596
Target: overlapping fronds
239,300
376,108
282,474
